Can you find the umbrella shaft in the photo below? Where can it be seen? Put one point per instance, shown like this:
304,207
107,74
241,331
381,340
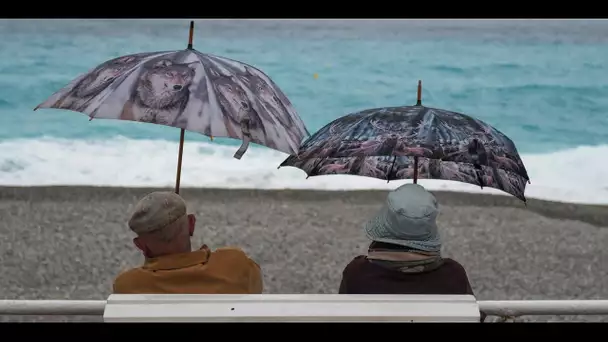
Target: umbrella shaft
179,160
415,170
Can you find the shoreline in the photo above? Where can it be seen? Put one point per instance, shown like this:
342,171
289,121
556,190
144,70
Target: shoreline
594,214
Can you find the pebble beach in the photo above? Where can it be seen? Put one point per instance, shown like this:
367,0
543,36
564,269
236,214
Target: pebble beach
70,242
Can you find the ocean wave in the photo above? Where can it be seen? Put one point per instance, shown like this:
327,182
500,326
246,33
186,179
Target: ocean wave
494,67
575,175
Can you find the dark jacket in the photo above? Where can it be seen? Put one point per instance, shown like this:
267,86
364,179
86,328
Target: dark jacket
362,276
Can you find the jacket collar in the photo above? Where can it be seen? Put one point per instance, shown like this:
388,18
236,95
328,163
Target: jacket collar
177,261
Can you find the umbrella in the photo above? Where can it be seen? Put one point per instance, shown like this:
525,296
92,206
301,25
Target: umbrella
414,142
190,90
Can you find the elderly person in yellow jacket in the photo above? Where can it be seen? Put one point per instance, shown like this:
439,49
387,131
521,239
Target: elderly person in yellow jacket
163,228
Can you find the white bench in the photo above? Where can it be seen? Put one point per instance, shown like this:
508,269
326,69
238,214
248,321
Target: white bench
291,308
332,308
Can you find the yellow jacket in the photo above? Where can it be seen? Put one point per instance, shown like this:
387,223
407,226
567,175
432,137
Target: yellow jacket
224,271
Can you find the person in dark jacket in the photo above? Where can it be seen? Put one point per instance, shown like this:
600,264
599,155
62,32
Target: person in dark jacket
404,256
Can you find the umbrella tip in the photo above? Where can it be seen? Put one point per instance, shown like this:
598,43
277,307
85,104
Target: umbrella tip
419,94
191,33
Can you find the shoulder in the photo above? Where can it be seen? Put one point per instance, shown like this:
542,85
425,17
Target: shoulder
233,255
452,263
454,267
230,252
127,279
355,264
458,274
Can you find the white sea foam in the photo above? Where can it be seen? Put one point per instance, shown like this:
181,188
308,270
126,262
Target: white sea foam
575,175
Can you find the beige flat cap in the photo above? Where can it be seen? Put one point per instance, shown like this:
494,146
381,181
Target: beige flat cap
156,211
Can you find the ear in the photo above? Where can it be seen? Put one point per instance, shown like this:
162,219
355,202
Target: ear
193,65
139,244
248,71
245,79
191,224
126,59
212,73
163,63
216,74
222,72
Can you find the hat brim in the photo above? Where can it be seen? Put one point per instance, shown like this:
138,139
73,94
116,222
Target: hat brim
377,229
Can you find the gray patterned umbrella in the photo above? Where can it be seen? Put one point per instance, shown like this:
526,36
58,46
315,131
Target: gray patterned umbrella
414,142
187,89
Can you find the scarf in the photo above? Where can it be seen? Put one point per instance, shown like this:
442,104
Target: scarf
406,261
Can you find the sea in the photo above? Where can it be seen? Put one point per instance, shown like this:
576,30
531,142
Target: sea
544,83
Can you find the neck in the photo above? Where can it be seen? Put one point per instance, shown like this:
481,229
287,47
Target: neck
170,250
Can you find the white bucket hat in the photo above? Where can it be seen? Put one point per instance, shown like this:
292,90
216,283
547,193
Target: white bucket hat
408,218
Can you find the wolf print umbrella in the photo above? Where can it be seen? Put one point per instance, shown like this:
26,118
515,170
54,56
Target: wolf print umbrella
414,142
187,89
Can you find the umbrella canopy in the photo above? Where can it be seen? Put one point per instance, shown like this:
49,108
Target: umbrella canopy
414,142
187,89
191,90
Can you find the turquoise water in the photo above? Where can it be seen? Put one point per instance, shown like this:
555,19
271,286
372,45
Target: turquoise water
543,83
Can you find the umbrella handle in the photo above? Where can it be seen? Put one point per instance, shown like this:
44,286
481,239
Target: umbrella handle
246,138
